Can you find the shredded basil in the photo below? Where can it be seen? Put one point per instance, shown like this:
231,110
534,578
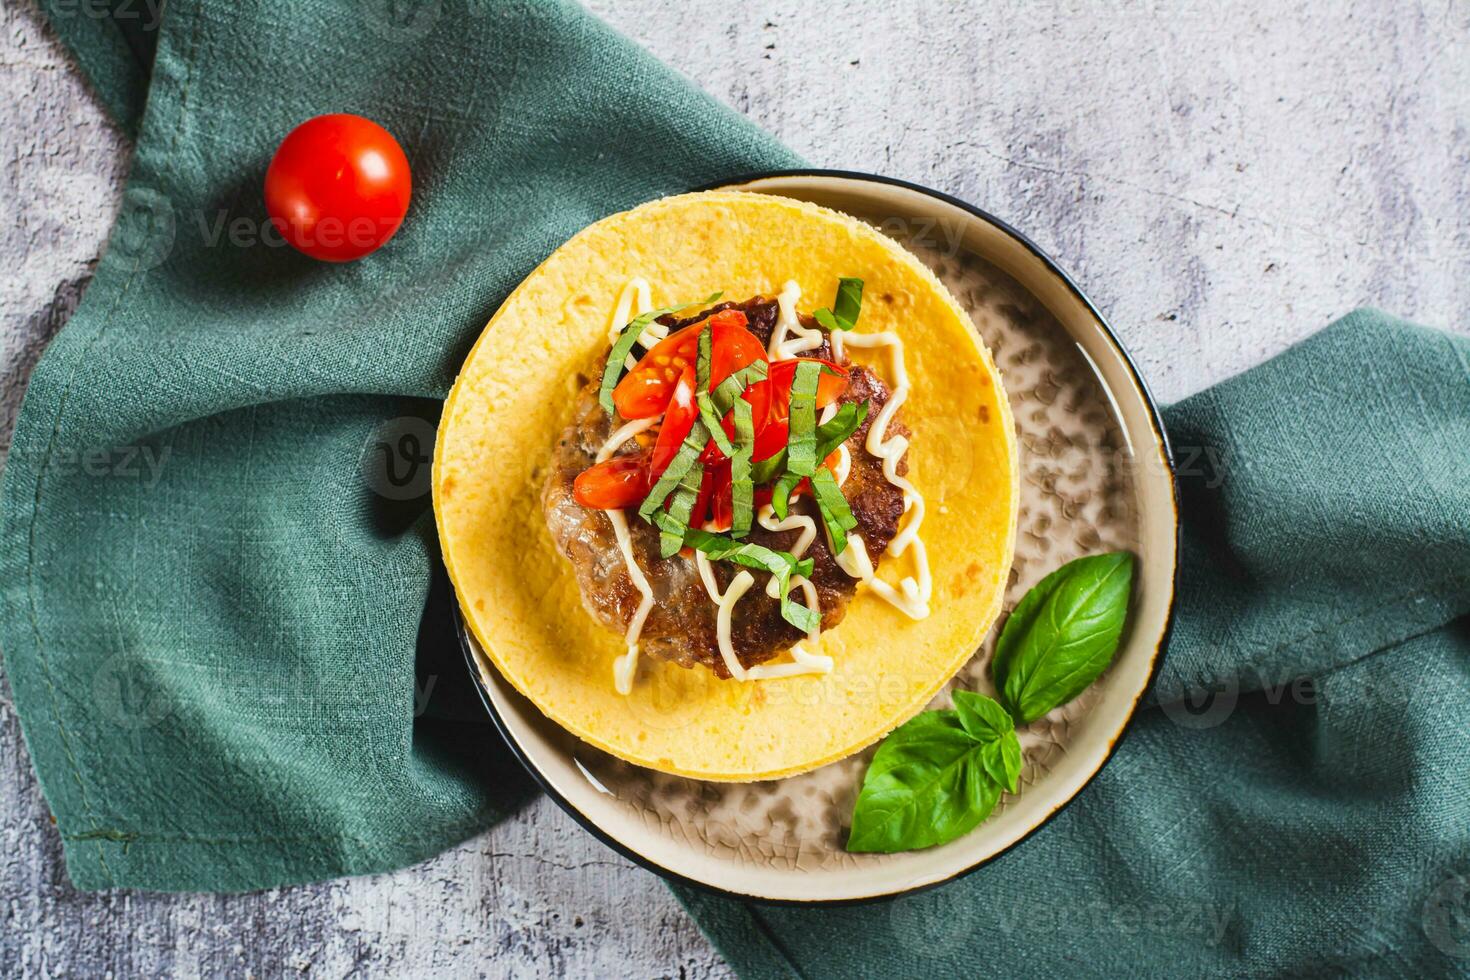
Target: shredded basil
781,494
783,565
684,460
830,434
845,309
801,438
701,364
714,404
681,508
612,370
732,387
833,507
742,491
711,419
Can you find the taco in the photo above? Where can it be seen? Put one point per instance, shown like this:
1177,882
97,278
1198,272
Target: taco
728,486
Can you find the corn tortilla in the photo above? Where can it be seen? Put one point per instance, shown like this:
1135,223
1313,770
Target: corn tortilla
514,397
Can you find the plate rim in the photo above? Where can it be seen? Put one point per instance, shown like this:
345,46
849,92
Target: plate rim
1161,438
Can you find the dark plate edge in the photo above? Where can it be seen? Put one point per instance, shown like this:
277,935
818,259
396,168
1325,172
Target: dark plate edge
1160,434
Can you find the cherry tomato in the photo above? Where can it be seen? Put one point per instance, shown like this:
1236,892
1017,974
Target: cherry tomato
781,375
770,407
622,481
701,503
338,187
722,500
645,390
679,418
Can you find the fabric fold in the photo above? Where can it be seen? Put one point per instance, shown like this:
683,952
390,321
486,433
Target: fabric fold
216,550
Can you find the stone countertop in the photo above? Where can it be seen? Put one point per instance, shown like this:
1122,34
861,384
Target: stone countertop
1222,180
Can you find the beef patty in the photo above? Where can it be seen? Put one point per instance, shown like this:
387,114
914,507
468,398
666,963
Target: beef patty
681,627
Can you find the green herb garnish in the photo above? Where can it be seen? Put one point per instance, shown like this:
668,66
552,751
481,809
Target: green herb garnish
681,508
710,416
742,490
684,460
936,777
845,309
783,565
701,363
781,494
1062,634
725,393
801,437
833,507
612,370
830,434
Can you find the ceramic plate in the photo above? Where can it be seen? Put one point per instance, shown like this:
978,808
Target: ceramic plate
1096,476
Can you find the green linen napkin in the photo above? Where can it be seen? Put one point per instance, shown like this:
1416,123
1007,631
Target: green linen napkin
216,668
213,586
1295,800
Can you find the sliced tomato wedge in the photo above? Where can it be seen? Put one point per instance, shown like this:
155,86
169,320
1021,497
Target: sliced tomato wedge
622,481
701,503
770,406
679,416
722,500
645,391
781,375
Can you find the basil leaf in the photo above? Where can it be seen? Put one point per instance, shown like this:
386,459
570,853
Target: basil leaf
681,508
725,393
1062,634
684,460
781,564
781,494
987,722
849,301
925,786
830,434
742,491
765,470
711,419
801,438
612,369
701,363
832,505
845,309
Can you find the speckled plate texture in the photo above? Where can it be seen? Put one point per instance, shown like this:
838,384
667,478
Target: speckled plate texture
1095,477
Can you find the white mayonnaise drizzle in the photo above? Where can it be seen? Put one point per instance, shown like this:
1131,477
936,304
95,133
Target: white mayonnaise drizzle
633,300
914,593
781,349
626,666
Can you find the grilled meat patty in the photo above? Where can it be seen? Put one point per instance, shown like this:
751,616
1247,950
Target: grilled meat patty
681,627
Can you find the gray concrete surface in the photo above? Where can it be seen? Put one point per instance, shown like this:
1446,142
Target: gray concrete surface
1223,178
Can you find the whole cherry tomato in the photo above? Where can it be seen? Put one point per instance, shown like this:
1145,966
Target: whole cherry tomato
645,391
338,187
613,484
